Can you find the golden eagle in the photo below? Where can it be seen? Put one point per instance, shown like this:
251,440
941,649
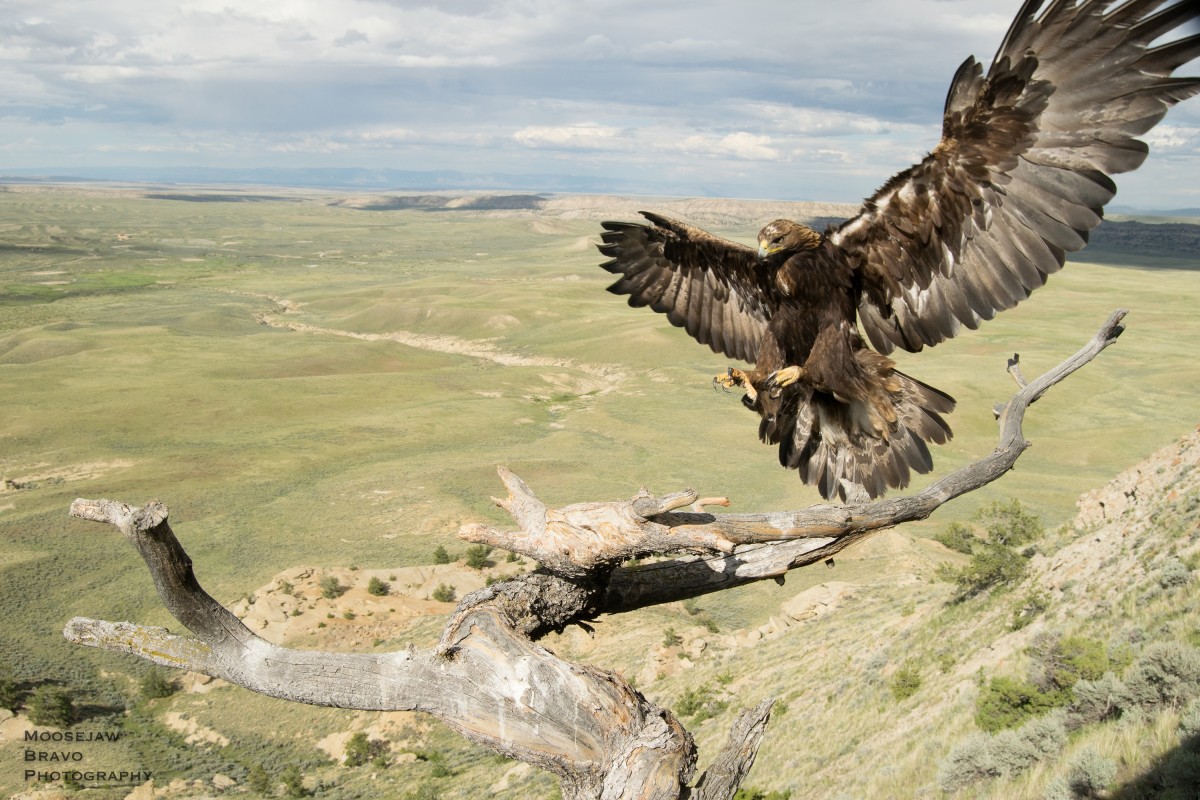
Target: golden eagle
1019,178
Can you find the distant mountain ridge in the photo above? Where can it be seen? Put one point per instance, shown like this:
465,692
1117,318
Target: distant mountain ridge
1175,237
394,180
1153,239
1162,239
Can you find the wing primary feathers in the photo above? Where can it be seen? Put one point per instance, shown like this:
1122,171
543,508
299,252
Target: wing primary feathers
964,86
1022,173
1124,14
1018,31
1167,58
1163,21
702,283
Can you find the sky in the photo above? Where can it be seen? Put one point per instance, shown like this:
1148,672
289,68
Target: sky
789,100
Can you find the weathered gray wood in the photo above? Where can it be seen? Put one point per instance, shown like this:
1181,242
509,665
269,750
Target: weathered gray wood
488,678
731,766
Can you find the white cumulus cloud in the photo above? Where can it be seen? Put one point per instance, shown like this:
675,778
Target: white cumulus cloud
582,136
742,144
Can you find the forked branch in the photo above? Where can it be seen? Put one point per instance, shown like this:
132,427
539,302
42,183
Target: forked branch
489,680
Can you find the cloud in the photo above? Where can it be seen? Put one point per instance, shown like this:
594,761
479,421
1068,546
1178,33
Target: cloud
763,96
688,49
173,148
743,145
309,144
1174,137
388,136
571,137
351,37
823,121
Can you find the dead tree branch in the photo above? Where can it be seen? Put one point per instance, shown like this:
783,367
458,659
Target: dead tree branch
489,680
768,545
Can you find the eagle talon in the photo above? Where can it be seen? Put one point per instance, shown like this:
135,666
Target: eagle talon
734,377
779,379
729,379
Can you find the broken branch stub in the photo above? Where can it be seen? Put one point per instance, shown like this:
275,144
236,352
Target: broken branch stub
578,540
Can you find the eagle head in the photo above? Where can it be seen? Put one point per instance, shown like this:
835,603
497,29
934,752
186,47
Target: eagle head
785,236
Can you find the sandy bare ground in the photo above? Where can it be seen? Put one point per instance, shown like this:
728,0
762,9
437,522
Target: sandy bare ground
698,210
47,473
475,348
609,376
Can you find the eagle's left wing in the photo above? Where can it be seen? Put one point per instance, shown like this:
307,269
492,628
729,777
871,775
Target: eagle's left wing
703,283
1020,176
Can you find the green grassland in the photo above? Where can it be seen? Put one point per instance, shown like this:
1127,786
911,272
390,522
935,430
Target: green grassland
240,361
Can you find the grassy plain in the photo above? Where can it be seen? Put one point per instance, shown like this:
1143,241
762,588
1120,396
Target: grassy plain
308,383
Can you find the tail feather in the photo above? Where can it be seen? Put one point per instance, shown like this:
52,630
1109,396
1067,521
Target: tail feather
825,441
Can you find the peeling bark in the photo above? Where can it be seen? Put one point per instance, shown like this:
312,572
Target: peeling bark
487,677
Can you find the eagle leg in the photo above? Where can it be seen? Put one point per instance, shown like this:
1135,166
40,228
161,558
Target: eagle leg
735,377
777,380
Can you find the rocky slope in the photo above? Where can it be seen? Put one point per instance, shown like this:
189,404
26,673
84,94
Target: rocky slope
1140,524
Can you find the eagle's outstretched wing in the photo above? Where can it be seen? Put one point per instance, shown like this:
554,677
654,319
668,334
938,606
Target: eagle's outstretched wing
1021,174
703,283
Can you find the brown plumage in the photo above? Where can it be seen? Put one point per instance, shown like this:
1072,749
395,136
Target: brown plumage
1020,177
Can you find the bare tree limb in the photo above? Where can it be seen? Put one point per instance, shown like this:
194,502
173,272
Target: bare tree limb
576,540
489,680
1014,369
730,768
486,679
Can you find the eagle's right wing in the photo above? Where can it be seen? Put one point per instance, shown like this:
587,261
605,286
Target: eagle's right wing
703,283
1021,175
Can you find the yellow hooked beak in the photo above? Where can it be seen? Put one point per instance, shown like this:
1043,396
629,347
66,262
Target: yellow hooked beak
765,249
